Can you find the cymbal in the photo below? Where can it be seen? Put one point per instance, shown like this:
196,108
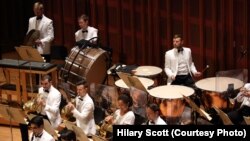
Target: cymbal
31,37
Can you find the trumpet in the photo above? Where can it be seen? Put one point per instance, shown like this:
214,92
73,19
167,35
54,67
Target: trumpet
66,113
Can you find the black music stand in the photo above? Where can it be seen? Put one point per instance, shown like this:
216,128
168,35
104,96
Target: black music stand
28,53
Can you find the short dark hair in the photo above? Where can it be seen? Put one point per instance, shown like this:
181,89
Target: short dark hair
68,135
37,120
126,99
178,36
82,82
154,107
84,17
47,77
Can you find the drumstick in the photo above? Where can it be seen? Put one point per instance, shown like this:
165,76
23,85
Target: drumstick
205,69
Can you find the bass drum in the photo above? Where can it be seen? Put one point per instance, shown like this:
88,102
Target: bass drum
89,64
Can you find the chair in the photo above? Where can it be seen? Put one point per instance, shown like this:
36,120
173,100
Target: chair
247,120
224,117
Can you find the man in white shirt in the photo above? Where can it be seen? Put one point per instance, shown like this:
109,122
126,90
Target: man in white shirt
242,97
38,132
85,32
50,101
153,114
84,109
45,26
179,65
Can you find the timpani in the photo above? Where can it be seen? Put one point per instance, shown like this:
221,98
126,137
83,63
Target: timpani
173,103
148,72
214,91
146,82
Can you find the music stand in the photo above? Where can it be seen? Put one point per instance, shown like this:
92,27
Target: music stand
28,53
197,109
50,129
247,120
224,117
131,81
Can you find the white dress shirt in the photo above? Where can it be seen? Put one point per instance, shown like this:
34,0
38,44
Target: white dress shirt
245,100
172,63
91,32
44,137
45,26
126,119
52,106
158,121
84,114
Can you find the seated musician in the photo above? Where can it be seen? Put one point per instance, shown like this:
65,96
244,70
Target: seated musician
153,114
38,132
124,115
242,97
51,104
84,109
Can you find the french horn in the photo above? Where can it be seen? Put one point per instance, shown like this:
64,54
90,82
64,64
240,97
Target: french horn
33,104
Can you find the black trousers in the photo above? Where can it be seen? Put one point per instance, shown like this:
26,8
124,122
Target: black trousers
185,80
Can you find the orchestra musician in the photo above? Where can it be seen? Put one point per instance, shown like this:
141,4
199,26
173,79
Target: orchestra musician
85,32
84,109
124,115
153,114
242,97
45,26
51,105
179,65
38,132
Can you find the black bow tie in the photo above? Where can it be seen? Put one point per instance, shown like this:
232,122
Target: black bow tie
39,136
80,98
46,91
83,31
180,50
39,18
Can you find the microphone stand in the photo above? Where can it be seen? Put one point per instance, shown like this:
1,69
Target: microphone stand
80,49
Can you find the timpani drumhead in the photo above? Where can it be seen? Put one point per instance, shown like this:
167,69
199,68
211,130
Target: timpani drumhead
171,91
146,71
146,82
218,84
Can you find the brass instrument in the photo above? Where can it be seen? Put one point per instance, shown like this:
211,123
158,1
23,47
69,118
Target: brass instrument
105,130
33,106
66,114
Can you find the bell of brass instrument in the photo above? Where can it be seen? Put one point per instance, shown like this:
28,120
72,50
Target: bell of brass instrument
66,114
33,106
